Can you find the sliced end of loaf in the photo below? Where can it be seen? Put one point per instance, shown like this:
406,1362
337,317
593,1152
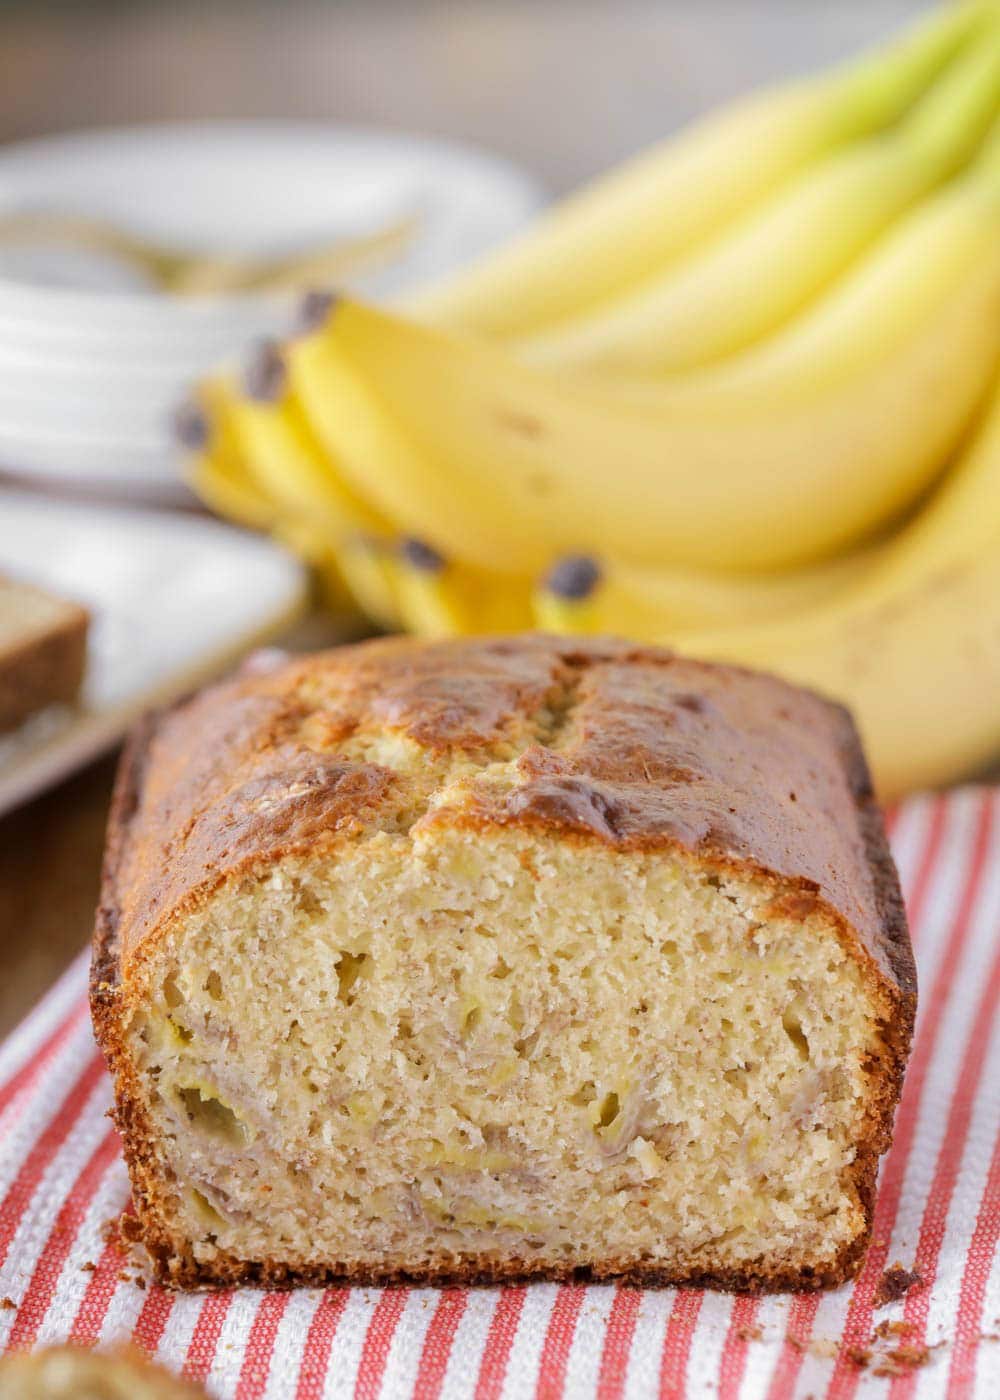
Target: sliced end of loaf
488,1057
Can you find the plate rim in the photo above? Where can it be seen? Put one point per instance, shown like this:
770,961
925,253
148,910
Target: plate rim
518,179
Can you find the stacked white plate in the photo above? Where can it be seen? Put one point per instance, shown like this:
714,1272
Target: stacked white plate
94,360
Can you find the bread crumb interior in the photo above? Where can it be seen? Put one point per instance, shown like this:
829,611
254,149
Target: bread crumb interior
439,1049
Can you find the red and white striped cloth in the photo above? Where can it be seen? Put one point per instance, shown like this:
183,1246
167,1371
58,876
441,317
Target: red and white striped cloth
62,1180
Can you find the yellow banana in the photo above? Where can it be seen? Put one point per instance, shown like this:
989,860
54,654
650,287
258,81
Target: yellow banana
914,647
583,593
438,598
653,210
216,467
301,538
774,459
367,564
959,520
281,453
920,672
743,286
308,506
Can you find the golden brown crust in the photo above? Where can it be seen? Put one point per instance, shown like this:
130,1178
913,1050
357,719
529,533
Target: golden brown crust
183,1271
626,746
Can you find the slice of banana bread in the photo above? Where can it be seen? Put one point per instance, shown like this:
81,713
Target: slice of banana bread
43,651
497,958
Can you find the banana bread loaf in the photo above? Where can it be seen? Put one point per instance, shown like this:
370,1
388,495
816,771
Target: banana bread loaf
501,958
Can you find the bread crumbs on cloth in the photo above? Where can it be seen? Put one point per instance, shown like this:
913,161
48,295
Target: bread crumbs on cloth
894,1284
903,1359
894,1329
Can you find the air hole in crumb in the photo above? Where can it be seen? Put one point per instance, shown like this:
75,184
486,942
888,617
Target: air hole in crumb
610,1109
793,1029
501,970
585,1095
213,986
307,902
471,1019
171,995
210,1115
349,967
205,1211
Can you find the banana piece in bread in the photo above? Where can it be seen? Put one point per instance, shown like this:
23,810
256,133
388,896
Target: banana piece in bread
500,958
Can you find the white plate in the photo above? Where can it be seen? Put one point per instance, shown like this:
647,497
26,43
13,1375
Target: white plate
175,600
131,418
262,187
86,366
82,464
80,345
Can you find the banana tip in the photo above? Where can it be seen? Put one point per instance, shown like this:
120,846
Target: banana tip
191,427
314,309
573,577
420,555
264,375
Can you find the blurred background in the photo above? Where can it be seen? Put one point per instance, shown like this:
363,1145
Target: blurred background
392,142
563,87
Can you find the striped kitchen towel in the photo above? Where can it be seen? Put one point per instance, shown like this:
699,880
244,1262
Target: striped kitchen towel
62,1274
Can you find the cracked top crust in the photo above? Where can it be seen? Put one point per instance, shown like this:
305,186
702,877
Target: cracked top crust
588,740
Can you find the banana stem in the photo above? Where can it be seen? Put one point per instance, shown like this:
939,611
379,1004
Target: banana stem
879,86
945,124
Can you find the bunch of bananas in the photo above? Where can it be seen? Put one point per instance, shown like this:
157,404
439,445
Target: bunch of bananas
741,397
